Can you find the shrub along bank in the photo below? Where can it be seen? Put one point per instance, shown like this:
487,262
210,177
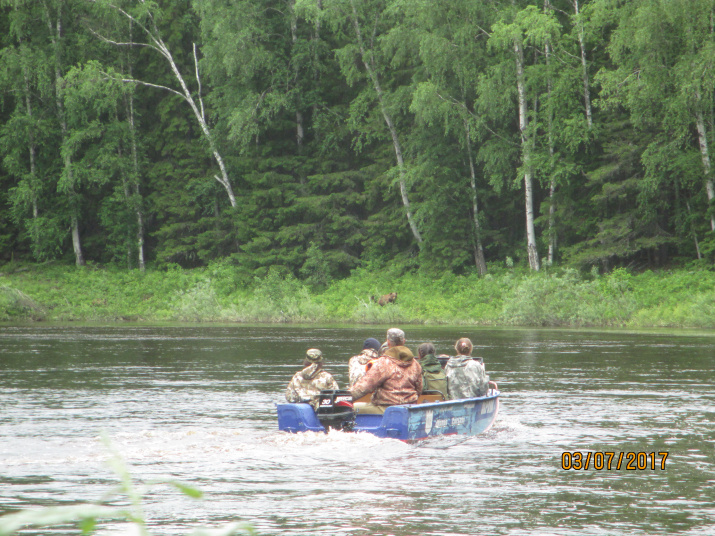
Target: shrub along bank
219,293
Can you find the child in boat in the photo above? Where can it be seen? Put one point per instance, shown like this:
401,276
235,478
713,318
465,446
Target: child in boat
466,377
307,383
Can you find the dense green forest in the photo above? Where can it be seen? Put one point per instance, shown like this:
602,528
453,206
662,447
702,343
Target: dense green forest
321,136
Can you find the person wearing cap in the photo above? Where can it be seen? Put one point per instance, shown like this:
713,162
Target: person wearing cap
306,384
357,366
466,378
433,378
395,378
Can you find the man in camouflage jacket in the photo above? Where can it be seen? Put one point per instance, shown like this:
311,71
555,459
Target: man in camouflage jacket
307,383
395,378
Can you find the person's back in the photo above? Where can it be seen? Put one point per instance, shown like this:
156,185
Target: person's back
306,384
466,378
357,366
395,378
433,377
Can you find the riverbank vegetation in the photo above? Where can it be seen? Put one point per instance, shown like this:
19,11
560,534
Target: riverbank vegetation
220,293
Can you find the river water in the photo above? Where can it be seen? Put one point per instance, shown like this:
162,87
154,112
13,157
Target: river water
197,404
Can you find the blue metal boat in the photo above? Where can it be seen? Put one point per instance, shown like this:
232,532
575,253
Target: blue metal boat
409,422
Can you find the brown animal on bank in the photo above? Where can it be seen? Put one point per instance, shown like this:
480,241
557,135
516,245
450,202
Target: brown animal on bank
387,298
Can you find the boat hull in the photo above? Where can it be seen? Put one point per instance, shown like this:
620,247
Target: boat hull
411,422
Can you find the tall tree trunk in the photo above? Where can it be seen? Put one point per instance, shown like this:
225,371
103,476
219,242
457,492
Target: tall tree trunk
299,127
137,192
137,204
125,190
32,149
550,126
526,158
705,157
390,125
56,37
695,237
200,116
316,42
479,261
584,66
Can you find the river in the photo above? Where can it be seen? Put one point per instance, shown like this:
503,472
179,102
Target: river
197,404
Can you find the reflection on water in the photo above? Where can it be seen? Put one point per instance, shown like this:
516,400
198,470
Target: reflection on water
198,404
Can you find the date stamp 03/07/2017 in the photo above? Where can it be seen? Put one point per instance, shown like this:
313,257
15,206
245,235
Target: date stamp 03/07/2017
610,461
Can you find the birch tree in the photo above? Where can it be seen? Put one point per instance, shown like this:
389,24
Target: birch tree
23,75
453,58
665,77
529,27
144,15
55,14
365,21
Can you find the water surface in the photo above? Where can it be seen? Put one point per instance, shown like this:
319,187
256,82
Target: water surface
197,404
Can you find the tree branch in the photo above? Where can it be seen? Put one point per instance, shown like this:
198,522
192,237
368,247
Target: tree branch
120,43
149,84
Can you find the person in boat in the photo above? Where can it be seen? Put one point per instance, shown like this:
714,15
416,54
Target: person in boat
466,378
395,378
306,384
357,366
433,377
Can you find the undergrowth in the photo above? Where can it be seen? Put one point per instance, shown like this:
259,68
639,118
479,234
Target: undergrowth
219,293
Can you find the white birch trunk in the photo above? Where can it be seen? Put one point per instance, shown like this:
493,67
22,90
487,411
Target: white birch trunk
299,130
552,179
137,209
135,167
584,67
479,260
32,149
390,125
56,36
526,158
705,157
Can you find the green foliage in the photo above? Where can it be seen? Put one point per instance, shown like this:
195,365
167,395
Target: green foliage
221,292
566,299
15,304
279,297
308,115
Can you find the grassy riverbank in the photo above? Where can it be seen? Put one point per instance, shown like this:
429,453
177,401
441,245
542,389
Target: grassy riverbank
559,297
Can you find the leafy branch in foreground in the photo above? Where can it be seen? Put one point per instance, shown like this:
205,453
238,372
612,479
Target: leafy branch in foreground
87,515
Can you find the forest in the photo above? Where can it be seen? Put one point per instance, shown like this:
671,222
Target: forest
322,136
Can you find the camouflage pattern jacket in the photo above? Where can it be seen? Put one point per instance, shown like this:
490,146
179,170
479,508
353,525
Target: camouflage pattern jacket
395,378
433,376
357,366
466,377
307,384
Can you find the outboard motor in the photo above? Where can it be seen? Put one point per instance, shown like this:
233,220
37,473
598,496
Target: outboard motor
335,410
